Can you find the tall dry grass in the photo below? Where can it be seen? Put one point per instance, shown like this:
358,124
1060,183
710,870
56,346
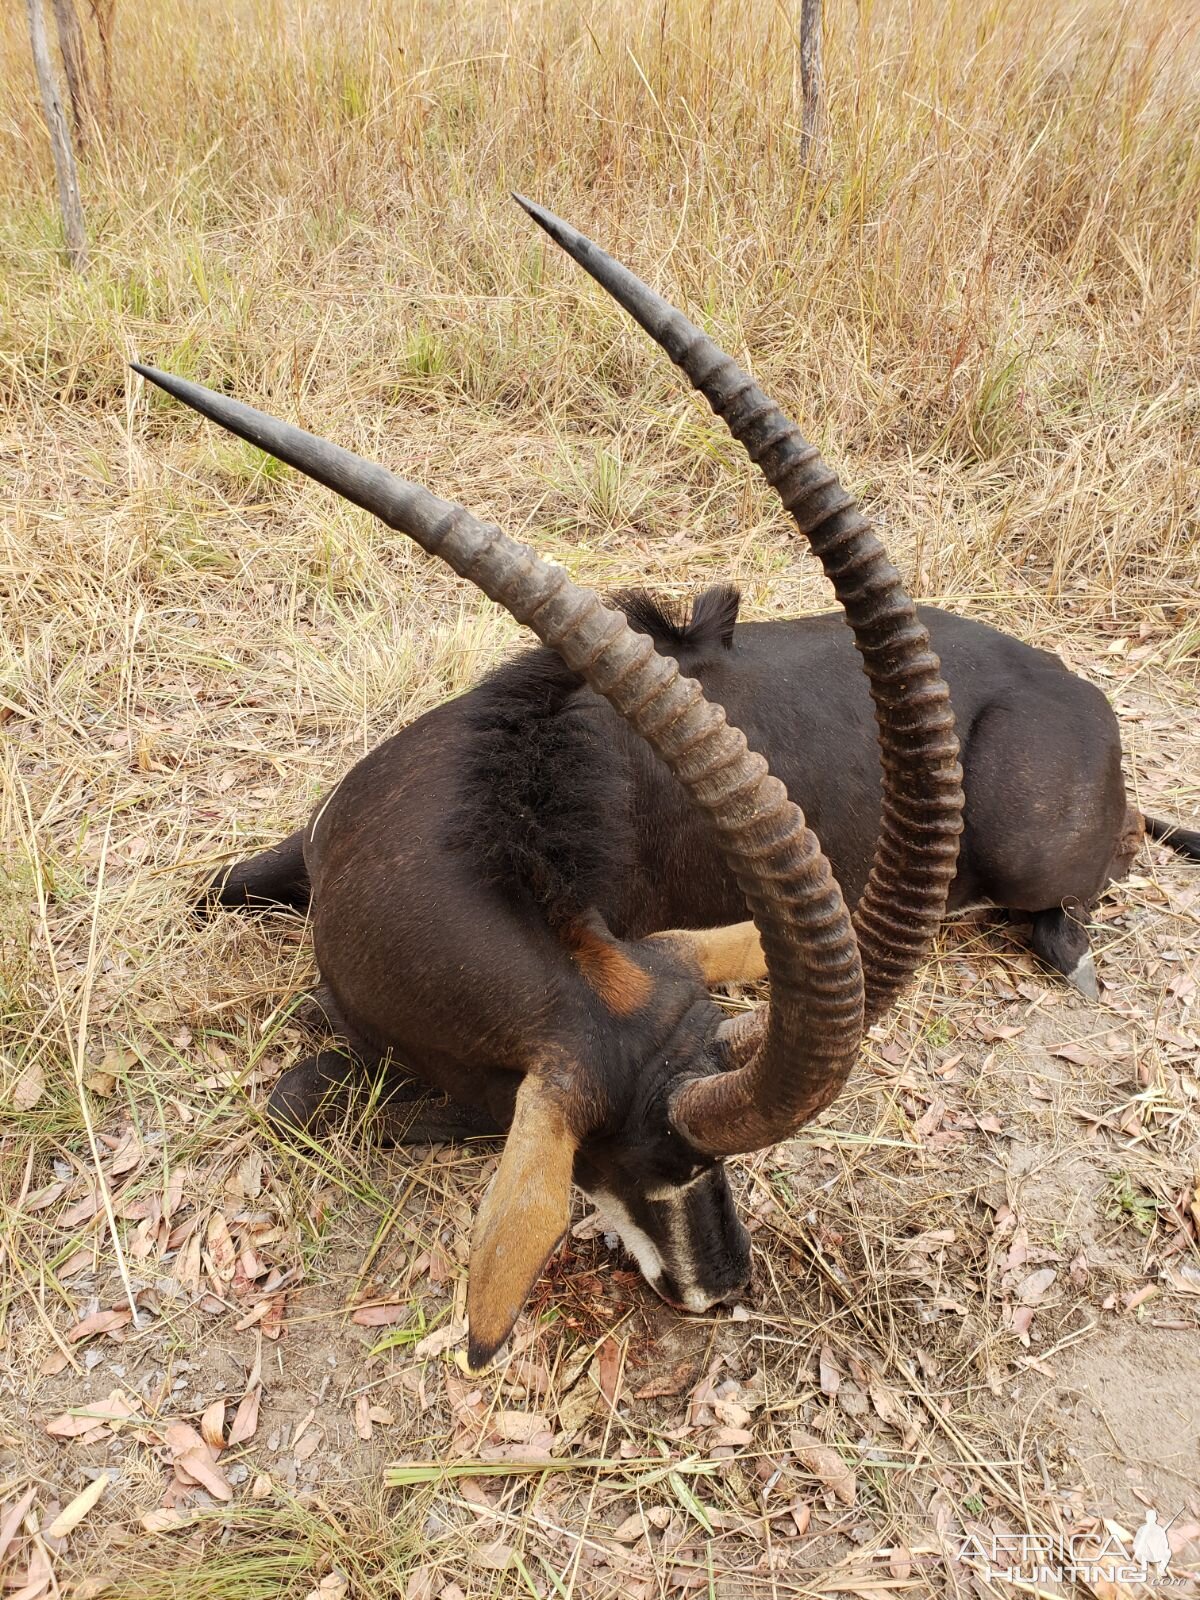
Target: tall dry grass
987,297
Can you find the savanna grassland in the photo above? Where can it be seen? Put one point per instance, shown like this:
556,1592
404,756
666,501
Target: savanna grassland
976,1310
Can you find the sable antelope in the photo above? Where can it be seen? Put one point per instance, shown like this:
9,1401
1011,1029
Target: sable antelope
523,896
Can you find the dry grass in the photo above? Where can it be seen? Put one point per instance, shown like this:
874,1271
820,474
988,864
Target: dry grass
985,304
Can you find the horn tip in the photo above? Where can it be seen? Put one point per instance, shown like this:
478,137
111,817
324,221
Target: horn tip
164,380
568,238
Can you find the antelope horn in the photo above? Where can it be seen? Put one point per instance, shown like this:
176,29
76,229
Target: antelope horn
917,850
815,1024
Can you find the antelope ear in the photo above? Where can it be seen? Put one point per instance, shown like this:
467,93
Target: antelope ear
523,1216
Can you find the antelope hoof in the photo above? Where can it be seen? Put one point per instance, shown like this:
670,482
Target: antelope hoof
1082,977
313,1096
1060,938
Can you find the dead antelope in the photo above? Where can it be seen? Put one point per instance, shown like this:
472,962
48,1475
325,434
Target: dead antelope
523,895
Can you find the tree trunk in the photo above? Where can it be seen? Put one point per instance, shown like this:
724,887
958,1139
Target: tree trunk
103,14
811,79
60,138
75,64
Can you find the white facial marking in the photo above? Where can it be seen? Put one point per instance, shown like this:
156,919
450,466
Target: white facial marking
675,1205
646,1253
640,1245
670,1190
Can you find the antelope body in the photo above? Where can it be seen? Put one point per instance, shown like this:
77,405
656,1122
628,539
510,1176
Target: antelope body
523,896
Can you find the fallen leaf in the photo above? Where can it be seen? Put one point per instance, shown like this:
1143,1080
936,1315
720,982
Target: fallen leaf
679,1379
830,1376
169,1519
307,1446
116,1409
73,1514
173,1193
25,1090
496,1557
67,1426
900,1563
1185,1278
826,1466
41,1198
1077,1054
518,1427
927,1123
439,1341
419,1583
212,1426
362,1418
13,1519
641,1524
198,1464
99,1322
889,1409
380,1316
1035,1285
221,1253
1020,1320
245,1418
82,1211
128,1155
272,1323
257,1313
187,1263
181,1437
38,1576
608,1370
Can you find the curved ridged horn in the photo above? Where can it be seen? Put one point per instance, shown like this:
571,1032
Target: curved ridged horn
815,1018
917,850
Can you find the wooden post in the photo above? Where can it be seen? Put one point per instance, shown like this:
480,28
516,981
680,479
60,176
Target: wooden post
811,78
75,64
60,138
